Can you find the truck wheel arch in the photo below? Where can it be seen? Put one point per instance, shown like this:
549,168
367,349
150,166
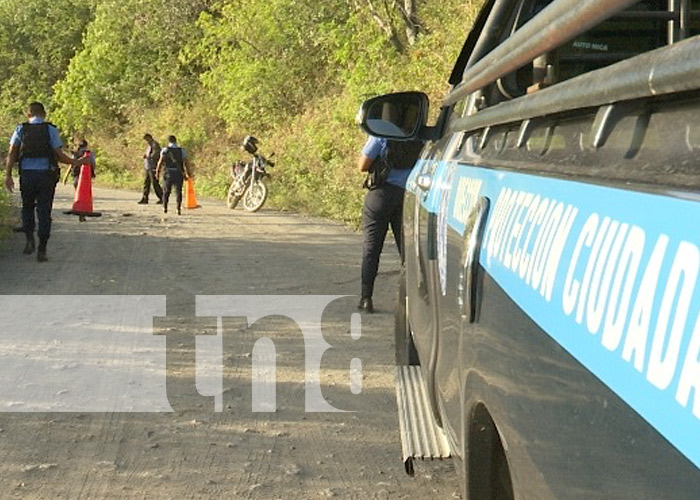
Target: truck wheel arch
487,474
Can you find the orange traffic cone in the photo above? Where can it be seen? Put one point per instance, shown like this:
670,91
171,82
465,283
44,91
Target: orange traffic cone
190,199
82,204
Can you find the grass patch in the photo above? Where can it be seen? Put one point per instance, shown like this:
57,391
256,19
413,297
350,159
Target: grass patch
8,214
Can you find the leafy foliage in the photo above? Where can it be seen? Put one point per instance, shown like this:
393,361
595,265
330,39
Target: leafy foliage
129,62
6,220
38,39
265,60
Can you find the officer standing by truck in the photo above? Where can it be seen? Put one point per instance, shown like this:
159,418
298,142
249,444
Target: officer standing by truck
389,163
37,146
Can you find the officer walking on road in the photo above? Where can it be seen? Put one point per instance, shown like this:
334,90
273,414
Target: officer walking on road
391,162
36,145
150,162
177,169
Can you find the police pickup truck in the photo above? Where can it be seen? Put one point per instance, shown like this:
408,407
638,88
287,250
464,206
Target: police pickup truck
548,322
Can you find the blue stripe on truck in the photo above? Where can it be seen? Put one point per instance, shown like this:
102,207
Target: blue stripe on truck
610,274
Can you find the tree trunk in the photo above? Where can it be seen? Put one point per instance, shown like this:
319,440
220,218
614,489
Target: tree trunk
411,22
384,22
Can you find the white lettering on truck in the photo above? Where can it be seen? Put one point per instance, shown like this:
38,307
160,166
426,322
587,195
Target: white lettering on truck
599,288
527,236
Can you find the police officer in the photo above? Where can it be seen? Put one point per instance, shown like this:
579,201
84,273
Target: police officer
177,169
80,151
81,148
383,205
150,161
36,145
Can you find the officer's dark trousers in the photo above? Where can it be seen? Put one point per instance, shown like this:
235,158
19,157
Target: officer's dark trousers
37,188
383,208
174,179
150,179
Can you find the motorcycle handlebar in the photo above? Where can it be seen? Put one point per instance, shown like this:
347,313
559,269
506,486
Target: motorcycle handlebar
262,159
266,161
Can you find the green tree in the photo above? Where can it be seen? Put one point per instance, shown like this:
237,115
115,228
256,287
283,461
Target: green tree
129,62
37,41
265,61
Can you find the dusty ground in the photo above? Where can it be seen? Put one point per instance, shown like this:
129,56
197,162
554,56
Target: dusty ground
195,451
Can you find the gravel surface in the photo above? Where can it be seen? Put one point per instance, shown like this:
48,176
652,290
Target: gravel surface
204,444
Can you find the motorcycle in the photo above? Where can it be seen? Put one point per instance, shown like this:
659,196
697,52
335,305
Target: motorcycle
249,181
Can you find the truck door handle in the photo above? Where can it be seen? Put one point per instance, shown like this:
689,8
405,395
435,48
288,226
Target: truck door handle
424,181
473,233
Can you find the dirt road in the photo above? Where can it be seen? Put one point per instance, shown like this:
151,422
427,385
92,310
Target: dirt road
77,450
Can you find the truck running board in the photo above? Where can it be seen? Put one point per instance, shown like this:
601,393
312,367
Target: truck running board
421,437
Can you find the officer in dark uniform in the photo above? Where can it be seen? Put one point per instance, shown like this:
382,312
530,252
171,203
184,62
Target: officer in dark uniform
36,145
177,169
150,160
383,205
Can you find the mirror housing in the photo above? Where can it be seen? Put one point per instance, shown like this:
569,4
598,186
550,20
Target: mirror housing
399,116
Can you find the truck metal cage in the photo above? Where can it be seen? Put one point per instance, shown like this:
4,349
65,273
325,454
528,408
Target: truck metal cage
663,66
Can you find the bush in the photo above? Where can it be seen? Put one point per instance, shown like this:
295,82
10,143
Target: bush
7,214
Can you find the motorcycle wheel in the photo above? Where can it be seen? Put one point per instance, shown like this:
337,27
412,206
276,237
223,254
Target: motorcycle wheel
255,196
234,196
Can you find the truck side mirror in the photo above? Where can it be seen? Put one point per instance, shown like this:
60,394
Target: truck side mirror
394,116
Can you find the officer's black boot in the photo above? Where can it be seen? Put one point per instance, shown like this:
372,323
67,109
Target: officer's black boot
29,246
41,253
366,305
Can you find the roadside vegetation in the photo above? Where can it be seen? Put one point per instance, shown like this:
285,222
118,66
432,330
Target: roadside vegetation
213,71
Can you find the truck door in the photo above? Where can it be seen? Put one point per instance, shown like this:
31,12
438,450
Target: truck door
420,252
431,185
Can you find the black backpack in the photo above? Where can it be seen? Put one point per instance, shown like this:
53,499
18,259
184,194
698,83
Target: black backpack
398,155
174,160
36,141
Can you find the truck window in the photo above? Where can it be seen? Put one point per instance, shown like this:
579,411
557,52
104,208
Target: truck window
642,27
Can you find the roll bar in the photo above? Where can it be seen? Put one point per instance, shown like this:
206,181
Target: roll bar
558,23
670,69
